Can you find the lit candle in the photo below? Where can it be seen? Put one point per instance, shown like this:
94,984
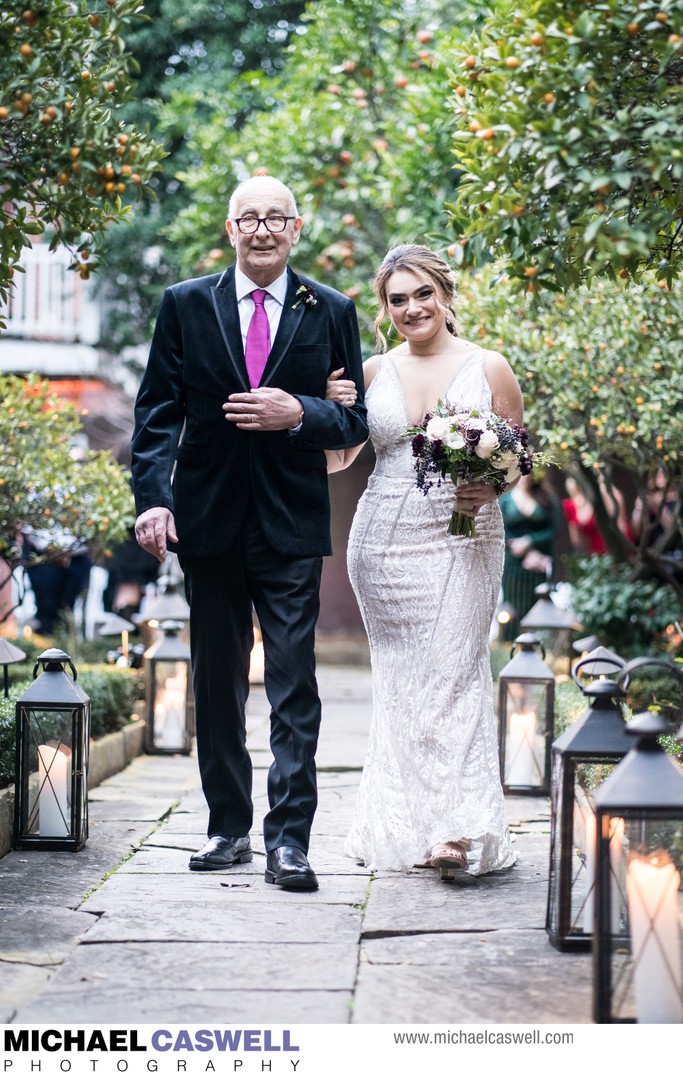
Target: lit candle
652,890
520,753
589,904
53,808
616,867
169,712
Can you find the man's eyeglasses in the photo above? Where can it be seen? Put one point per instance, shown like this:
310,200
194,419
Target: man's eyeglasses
249,225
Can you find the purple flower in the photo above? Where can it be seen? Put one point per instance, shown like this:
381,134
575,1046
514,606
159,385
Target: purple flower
419,441
471,436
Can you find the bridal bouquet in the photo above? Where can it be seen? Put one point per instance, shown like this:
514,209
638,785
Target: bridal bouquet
470,446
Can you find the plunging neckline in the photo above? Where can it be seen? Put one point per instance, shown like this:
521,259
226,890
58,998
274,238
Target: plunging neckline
442,396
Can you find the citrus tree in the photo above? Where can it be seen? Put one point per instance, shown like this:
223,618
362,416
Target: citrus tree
44,487
357,124
68,160
602,375
190,51
569,136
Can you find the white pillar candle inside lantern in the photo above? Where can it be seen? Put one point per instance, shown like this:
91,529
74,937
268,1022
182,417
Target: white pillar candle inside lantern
589,905
520,753
53,799
616,865
169,709
652,885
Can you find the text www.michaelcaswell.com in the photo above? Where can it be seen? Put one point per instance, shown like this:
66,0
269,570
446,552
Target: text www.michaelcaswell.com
475,1038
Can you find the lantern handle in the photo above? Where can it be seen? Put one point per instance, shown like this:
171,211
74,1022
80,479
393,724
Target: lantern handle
638,663
68,662
537,642
588,660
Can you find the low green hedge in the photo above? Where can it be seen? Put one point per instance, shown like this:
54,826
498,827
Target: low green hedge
113,692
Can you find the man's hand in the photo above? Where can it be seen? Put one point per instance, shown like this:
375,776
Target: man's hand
153,529
263,409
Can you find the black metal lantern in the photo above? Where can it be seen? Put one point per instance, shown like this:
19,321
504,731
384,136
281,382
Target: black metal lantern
581,758
9,653
638,945
167,604
168,692
525,719
553,626
53,735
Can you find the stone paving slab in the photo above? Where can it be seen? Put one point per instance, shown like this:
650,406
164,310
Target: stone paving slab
176,1005
19,984
501,976
420,900
218,965
39,936
295,920
63,878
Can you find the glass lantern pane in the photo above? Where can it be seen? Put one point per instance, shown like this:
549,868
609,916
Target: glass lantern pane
525,746
170,704
647,951
50,758
587,777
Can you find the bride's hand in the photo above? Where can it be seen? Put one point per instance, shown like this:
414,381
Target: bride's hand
471,496
340,389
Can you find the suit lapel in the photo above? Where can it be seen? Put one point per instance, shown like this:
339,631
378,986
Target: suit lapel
225,306
289,323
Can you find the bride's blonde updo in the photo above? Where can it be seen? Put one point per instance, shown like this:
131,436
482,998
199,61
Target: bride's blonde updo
424,263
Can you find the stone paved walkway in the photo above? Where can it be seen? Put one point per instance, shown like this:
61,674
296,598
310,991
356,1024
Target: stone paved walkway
123,932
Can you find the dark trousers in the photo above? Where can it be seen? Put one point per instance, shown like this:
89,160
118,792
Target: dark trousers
285,594
56,587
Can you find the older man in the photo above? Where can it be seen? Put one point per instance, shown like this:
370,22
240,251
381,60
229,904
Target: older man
229,470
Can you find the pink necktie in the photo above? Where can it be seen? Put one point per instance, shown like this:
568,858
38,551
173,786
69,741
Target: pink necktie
257,346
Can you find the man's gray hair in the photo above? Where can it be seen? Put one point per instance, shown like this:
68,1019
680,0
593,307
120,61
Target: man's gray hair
258,181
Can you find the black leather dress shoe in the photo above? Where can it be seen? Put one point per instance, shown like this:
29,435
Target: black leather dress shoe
221,852
289,868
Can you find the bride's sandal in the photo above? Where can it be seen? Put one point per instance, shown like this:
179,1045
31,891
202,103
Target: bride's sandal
449,858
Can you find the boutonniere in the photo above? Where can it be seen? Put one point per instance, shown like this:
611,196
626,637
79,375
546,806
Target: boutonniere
306,295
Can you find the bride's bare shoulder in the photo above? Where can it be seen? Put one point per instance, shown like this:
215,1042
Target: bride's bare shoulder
370,368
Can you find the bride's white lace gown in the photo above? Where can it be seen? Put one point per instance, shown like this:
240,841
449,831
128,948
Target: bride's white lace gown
427,601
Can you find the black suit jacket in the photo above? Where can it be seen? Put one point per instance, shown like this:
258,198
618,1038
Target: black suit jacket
211,475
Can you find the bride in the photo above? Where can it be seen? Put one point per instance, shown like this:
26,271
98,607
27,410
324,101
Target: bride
430,792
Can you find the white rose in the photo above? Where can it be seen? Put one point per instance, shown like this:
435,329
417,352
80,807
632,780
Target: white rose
454,439
488,443
437,428
512,474
504,461
476,424
461,418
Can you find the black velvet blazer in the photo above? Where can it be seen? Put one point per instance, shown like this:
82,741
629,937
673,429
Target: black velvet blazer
189,458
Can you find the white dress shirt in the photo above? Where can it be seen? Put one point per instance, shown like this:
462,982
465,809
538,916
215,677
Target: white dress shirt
273,303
